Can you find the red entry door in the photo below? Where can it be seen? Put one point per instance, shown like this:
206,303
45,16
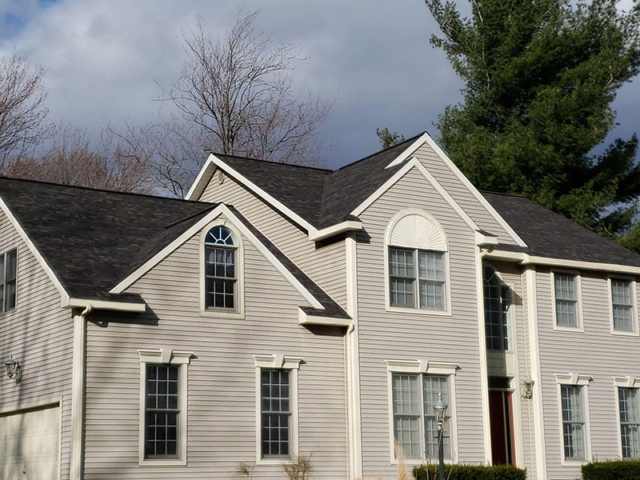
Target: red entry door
501,414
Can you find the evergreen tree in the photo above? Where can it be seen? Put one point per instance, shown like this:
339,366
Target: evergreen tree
540,77
387,138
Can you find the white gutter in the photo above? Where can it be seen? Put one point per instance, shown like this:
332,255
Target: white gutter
526,259
104,305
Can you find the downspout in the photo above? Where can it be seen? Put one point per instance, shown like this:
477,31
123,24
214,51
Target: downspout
77,392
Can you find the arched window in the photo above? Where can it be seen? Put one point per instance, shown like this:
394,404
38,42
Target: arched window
417,249
497,303
220,269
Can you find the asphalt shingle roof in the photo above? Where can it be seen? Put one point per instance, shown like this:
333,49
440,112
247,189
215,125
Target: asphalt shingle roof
93,239
548,234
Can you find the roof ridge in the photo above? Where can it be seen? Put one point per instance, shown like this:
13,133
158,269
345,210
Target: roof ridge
273,161
189,217
516,195
415,137
104,190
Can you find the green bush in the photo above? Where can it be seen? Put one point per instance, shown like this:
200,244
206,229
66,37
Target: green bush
470,472
612,470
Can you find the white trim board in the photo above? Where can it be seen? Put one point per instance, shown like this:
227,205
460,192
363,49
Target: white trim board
215,213
426,138
526,259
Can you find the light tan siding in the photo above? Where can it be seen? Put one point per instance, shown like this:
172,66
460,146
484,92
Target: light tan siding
221,377
595,352
461,194
39,334
325,265
398,336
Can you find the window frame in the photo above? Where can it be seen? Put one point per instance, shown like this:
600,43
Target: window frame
292,365
410,245
578,287
510,311
623,382
634,305
174,358
582,381
4,281
423,368
238,311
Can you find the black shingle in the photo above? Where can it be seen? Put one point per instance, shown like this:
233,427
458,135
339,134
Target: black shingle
93,239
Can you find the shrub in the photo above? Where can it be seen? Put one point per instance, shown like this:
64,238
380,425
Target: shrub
470,472
612,470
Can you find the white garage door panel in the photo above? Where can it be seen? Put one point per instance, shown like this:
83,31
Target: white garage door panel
29,444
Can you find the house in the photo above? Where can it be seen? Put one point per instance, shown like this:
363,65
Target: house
284,310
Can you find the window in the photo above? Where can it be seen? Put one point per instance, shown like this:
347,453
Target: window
8,274
417,253
430,282
629,405
622,305
573,422
276,412
497,303
566,300
277,407
221,276
163,407
414,424
162,411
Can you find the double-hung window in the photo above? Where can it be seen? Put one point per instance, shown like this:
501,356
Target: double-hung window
629,405
163,407
162,411
566,300
8,280
573,422
417,279
622,305
414,422
221,272
275,401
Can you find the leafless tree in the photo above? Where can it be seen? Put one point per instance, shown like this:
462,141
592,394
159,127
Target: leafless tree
22,107
235,96
76,159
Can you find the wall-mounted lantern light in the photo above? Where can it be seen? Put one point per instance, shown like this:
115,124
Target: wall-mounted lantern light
13,369
527,392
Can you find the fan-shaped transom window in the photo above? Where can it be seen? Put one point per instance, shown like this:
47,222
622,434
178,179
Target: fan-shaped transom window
417,263
221,275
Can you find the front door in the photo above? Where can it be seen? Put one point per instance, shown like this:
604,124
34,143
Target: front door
501,413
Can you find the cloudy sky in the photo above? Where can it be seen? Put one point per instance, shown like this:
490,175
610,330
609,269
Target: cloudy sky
104,57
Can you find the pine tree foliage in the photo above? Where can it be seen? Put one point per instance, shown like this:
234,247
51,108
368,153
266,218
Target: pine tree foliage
540,77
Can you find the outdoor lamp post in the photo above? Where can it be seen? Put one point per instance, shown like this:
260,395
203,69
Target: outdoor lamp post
440,408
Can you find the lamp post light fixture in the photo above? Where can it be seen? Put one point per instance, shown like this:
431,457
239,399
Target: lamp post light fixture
440,408
13,368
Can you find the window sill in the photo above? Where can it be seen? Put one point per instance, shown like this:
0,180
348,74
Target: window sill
276,462
624,333
422,461
158,462
573,463
419,311
568,329
220,313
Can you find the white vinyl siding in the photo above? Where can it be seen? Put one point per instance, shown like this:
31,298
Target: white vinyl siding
629,405
414,423
573,422
566,300
622,305
417,279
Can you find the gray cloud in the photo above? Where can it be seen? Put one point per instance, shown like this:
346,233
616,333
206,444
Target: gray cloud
103,58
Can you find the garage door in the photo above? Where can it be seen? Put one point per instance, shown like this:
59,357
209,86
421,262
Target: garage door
29,444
